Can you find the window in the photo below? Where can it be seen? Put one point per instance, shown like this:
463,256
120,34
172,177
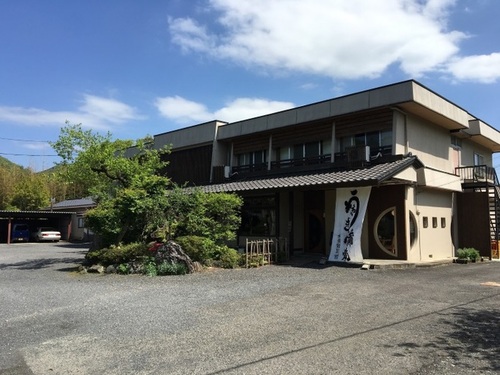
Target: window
478,159
434,222
456,142
443,222
81,222
300,153
326,147
312,149
425,222
413,229
285,153
258,216
252,158
385,231
379,142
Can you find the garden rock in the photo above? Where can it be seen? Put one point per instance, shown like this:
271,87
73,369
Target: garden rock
96,268
171,252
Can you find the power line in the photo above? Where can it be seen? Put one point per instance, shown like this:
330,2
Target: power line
10,154
23,140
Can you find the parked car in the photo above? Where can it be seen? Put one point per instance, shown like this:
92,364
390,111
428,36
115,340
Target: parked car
46,234
20,233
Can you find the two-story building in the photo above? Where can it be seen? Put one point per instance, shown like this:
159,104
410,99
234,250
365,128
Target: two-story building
396,172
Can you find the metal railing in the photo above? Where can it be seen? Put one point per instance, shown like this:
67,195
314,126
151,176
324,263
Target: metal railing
477,174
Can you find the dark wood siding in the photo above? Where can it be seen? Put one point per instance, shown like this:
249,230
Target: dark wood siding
382,198
363,122
303,134
190,166
256,142
473,222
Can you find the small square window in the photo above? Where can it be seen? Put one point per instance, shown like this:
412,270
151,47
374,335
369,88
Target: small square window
434,222
443,222
425,221
81,222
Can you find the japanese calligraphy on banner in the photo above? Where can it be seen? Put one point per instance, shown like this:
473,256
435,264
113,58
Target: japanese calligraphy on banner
350,210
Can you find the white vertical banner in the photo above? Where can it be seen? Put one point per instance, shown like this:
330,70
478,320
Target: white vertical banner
350,209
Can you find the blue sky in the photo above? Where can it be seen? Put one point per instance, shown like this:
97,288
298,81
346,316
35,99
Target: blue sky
146,67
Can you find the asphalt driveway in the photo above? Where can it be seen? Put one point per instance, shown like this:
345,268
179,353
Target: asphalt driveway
271,320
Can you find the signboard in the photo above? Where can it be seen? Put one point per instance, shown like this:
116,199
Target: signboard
350,210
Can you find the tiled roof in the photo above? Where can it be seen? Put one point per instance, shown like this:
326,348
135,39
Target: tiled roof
368,176
83,202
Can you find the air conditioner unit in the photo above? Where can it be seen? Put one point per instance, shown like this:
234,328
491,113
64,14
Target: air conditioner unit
227,171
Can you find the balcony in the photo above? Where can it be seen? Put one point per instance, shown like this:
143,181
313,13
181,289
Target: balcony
477,176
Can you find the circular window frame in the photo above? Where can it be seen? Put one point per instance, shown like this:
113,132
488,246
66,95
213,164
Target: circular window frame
376,236
415,225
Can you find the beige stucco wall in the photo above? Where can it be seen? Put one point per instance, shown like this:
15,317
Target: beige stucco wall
430,143
468,150
431,243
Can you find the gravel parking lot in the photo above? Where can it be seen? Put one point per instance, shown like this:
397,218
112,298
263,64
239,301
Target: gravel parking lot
271,320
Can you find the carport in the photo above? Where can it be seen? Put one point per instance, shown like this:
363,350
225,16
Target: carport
58,220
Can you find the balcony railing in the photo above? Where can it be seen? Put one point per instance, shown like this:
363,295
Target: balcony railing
312,160
477,174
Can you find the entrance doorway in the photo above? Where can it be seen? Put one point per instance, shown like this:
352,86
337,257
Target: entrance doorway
314,222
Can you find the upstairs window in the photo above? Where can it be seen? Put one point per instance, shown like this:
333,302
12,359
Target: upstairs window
252,159
379,142
309,151
478,159
456,142
306,150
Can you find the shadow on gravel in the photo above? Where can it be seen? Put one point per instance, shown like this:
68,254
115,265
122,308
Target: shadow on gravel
316,262
74,245
474,334
472,338
36,264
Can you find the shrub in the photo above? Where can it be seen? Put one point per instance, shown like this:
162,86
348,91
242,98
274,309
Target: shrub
199,249
226,257
150,268
117,254
123,269
468,253
167,268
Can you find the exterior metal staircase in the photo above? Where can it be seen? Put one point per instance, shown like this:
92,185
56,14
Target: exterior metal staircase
484,179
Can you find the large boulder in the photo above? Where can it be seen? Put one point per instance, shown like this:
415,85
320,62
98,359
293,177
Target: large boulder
172,252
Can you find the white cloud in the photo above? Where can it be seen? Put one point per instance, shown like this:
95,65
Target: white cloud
244,108
184,111
189,35
37,146
481,68
32,116
339,39
108,109
95,112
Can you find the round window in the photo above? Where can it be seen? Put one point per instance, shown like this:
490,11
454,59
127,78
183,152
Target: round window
385,231
413,229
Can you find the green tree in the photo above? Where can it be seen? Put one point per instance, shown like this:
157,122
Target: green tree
121,175
210,215
6,187
30,193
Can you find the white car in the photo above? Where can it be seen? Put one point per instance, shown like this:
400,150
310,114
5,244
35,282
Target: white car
47,234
